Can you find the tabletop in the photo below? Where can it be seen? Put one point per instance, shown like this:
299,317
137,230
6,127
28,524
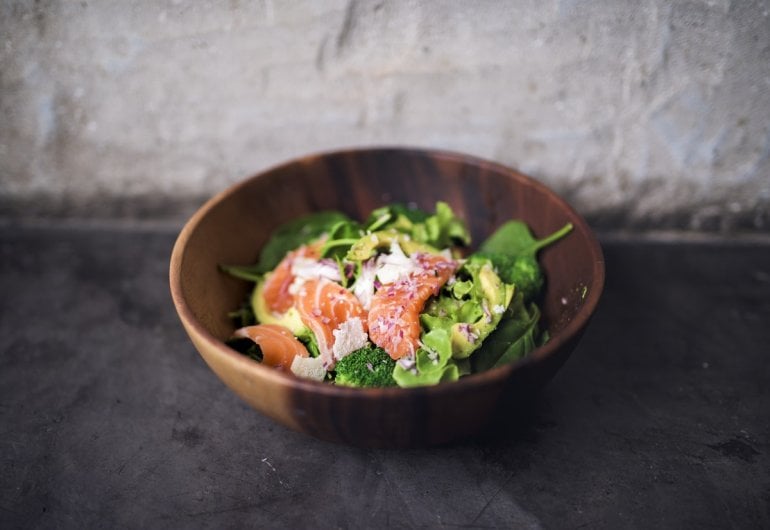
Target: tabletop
109,418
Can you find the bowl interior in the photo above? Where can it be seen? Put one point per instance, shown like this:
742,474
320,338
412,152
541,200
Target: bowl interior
233,226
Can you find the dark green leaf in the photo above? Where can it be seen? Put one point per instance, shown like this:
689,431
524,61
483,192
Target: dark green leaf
514,239
515,336
341,237
513,250
246,347
287,238
295,233
243,316
251,273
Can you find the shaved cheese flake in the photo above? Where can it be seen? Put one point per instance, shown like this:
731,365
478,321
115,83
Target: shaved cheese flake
304,269
349,337
308,368
395,266
363,288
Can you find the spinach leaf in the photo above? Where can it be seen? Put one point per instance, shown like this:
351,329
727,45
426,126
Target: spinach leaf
250,273
513,250
342,235
295,233
288,237
514,239
243,316
515,336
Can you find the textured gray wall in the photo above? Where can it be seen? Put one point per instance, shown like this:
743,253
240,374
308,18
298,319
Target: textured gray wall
642,113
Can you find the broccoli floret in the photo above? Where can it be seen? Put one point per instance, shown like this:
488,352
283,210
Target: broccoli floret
523,271
367,367
527,276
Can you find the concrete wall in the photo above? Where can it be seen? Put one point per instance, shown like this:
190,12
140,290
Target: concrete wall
644,114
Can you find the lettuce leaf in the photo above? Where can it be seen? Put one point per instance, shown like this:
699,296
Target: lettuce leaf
433,362
440,230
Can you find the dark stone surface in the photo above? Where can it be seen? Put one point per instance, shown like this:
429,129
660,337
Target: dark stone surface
108,417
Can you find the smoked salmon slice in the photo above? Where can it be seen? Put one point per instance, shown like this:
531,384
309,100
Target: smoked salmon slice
323,306
277,283
394,316
279,346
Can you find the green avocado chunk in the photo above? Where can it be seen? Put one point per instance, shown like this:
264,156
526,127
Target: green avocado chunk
469,309
264,315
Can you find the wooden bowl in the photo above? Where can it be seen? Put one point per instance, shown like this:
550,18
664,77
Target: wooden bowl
232,227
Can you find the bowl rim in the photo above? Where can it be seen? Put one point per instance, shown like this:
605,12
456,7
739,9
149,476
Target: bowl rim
281,378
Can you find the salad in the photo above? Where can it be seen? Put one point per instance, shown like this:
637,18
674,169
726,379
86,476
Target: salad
391,301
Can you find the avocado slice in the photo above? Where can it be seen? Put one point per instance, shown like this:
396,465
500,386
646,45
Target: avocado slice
471,308
264,315
493,296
